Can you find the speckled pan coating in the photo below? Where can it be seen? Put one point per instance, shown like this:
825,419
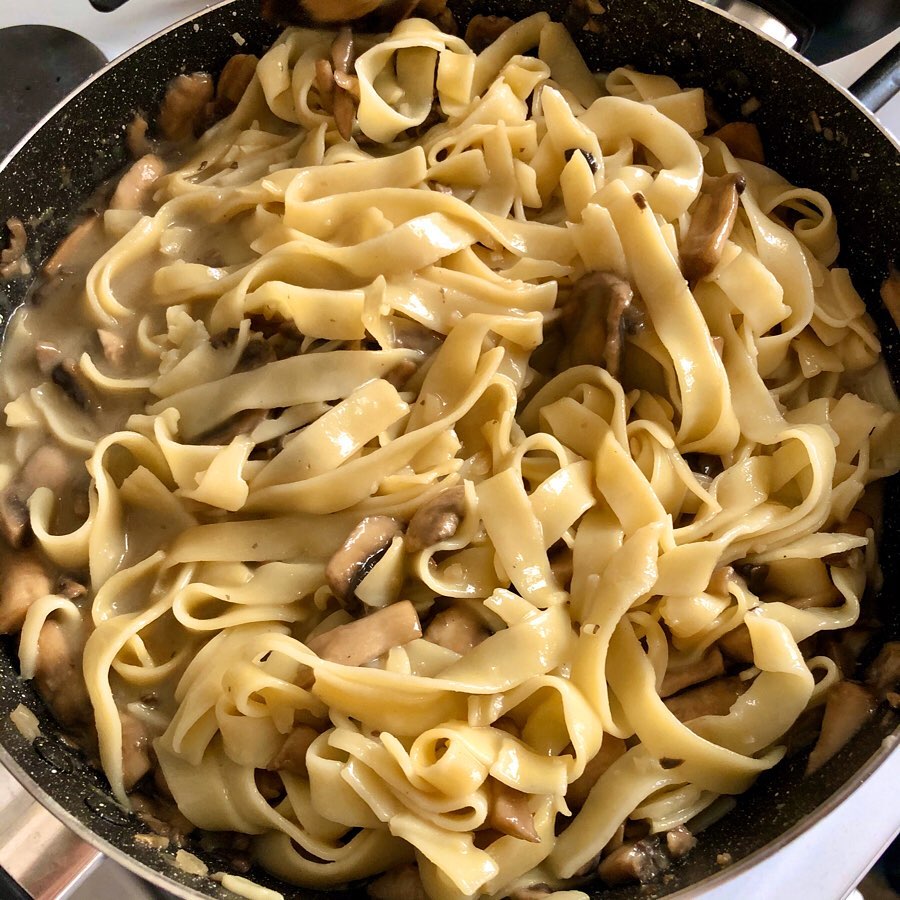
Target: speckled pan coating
814,135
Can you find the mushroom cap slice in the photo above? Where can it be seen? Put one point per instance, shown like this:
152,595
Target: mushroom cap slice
362,548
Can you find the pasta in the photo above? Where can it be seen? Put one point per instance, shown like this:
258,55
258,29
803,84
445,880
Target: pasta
424,475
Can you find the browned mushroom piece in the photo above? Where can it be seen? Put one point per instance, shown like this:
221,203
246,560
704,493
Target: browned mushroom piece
69,250
710,665
47,467
25,580
113,346
755,575
713,698
12,257
401,373
58,676
736,644
399,883
484,30
883,674
845,647
15,524
642,861
361,550
679,842
69,588
743,140
299,12
162,817
258,352
233,81
136,185
48,356
325,84
857,523
508,812
610,750
269,784
437,520
184,106
135,750
562,562
712,219
457,628
594,321
342,99
240,423
68,378
407,334
848,706
291,757
136,137
363,640
538,891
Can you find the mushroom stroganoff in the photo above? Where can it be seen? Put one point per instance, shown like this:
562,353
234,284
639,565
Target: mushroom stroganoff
451,469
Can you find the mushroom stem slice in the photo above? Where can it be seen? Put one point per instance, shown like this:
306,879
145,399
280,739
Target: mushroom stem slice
883,675
710,665
509,813
363,640
711,224
847,708
713,698
363,547
436,520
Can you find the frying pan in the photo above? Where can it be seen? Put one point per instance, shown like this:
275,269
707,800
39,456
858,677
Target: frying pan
815,134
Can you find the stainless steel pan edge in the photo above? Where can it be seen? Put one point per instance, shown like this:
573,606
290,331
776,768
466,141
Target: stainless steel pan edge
862,759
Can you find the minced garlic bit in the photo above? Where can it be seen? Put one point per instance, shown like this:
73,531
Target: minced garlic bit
26,722
157,841
189,863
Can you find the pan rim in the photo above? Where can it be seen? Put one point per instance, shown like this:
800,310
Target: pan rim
702,888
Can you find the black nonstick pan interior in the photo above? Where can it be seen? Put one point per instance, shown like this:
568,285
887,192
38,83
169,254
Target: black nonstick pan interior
814,134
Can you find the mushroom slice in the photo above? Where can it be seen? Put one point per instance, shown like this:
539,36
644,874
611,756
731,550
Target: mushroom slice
68,251
15,524
342,99
743,140
136,185
67,376
457,628
240,423
712,219
24,580
12,258
710,665
363,640
399,883
847,708
136,136
679,842
135,750
713,698
594,321
437,520
292,755
113,346
509,814
364,546
47,467
184,104
234,80
482,31
610,750
883,675
59,677
736,644
642,861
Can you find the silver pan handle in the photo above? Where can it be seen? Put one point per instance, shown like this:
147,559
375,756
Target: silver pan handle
42,858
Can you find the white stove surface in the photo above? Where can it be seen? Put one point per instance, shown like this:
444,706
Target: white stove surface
824,863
